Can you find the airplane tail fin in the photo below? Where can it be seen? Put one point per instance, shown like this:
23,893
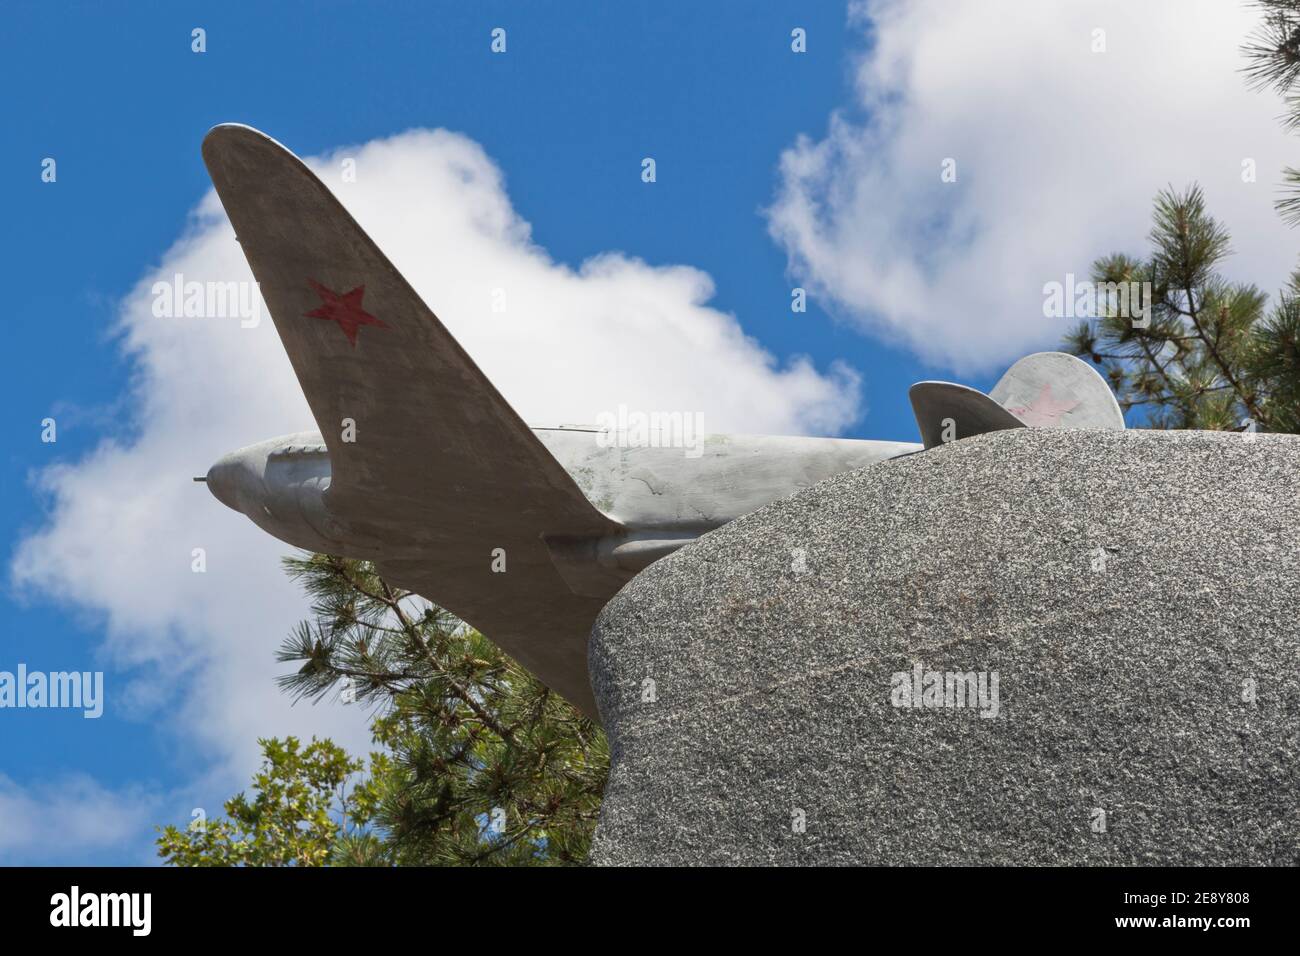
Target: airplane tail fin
1043,390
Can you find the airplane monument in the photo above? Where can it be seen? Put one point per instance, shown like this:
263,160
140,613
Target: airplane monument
1033,638
418,464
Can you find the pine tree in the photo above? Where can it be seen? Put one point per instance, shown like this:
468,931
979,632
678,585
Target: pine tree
479,763
1272,54
485,764
1212,354
1216,354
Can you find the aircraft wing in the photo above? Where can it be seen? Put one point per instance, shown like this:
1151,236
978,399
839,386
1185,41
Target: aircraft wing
427,458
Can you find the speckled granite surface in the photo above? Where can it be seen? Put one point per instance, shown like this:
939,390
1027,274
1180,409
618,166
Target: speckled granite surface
1136,594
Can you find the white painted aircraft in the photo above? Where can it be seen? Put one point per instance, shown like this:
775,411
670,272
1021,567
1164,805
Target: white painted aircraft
421,466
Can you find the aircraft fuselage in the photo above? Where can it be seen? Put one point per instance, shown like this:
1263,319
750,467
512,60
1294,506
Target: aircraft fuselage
662,496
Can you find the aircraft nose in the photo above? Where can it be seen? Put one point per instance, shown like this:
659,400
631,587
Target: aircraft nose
230,476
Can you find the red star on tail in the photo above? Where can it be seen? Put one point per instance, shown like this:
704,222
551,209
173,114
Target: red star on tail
344,309
1045,410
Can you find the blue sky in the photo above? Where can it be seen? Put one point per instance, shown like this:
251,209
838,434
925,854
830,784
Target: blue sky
712,91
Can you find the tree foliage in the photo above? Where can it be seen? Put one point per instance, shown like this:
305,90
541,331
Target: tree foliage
1272,54
301,809
1211,353
1216,354
480,763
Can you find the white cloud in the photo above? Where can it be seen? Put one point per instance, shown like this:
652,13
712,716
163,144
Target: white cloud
70,820
572,343
1059,153
197,648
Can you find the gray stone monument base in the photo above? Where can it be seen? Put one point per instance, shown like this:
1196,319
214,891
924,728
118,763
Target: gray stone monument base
1136,594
